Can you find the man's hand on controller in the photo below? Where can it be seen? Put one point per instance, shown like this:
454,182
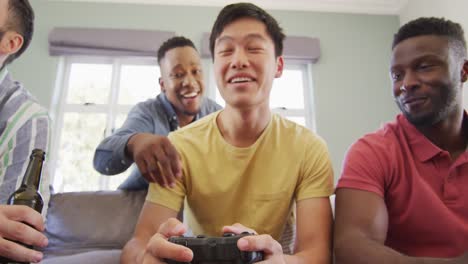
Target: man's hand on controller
272,250
158,248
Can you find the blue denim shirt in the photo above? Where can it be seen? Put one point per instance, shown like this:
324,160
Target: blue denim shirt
156,116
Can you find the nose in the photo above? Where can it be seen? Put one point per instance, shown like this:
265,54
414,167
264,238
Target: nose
240,59
409,82
190,81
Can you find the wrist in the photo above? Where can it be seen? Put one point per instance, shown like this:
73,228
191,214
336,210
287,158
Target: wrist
129,147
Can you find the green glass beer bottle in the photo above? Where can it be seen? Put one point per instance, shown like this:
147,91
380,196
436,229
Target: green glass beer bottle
28,193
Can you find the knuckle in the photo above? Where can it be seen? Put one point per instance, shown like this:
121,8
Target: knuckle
173,222
5,248
151,169
164,140
20,231
139,156
164,161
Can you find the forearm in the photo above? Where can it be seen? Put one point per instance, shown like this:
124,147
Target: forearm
110,157
360,250
309,256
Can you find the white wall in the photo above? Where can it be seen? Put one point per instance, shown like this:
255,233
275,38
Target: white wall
455,10
351,84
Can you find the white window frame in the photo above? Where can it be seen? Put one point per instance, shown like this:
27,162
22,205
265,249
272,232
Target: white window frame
112,109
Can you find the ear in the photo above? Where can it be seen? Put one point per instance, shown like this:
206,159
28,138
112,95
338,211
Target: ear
464,73
161,85
279,66
11,42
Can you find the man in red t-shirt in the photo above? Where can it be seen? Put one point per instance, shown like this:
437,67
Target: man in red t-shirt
403,194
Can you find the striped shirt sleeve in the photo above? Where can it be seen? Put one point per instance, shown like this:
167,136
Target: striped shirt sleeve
26,129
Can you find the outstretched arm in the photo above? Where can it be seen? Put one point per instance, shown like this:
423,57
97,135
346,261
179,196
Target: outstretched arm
135,141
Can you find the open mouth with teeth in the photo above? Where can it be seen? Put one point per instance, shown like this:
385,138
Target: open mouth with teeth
190,95
241,80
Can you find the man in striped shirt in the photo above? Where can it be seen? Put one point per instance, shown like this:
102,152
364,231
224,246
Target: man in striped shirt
24,126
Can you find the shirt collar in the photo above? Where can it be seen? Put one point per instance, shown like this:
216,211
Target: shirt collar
3,74
423,148
171,113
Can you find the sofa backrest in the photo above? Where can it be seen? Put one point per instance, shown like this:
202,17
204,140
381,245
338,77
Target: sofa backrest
85,221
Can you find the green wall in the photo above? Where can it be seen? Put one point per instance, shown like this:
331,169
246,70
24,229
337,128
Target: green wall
351,83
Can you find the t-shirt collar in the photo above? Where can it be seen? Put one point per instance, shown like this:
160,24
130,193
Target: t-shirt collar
3,74
171,113
423,148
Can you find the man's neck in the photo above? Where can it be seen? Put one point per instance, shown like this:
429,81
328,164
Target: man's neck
184,119
242,128
450,134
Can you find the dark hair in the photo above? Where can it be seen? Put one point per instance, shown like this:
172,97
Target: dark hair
174,42
21,20
433,26
233,12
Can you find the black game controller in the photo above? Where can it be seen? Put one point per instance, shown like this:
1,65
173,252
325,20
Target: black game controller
216,250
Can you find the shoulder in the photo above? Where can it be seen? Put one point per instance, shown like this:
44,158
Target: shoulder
19,106
376,153
295,133
371,162
23,105
151,103
381,140
152,107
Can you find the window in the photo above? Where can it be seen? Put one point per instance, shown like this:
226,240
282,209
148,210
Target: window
95,96
291,95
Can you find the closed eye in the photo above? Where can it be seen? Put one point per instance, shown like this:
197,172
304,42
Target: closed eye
225,51
425,66
255,50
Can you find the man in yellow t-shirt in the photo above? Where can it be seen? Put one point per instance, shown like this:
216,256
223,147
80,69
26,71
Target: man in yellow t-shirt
243,164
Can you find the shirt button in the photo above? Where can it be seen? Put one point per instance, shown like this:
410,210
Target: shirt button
123,162
107,169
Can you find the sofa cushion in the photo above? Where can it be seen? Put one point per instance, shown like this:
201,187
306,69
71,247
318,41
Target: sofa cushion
99,257
79,222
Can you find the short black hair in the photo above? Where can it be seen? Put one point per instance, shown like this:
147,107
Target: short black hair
433,26
233,12
21,20
174,42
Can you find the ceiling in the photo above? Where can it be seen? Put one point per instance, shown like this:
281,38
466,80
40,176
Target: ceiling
391,7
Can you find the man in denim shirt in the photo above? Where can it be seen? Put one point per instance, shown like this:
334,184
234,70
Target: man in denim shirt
142,138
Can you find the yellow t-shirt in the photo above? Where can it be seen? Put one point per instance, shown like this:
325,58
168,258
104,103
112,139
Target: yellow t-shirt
255,186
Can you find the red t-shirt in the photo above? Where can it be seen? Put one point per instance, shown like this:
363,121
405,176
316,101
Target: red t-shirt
425,192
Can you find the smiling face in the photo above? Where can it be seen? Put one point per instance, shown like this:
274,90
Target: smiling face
182,80
245,64
431,74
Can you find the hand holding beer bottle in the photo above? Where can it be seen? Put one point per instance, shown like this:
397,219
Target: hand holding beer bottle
21,222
